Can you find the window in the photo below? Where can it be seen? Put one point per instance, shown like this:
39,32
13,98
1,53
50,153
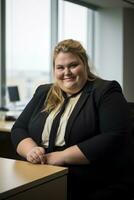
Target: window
27,44
73,22
33,27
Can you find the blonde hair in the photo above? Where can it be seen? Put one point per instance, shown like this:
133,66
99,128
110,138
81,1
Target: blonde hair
54,96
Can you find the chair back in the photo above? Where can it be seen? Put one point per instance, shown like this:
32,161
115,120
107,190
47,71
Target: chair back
131,111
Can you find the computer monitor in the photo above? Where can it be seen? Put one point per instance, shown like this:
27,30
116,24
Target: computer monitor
13,94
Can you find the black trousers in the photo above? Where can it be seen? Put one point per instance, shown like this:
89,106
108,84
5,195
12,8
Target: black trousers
111,192
108,193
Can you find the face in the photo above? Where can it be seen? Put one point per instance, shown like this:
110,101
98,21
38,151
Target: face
69,72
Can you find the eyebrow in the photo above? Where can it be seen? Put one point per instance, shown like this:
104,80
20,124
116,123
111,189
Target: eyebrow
72,63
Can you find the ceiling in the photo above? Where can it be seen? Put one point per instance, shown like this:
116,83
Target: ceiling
110,3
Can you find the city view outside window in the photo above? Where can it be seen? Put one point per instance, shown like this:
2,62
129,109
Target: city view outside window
27,45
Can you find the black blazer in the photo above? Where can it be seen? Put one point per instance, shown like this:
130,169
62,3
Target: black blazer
99,125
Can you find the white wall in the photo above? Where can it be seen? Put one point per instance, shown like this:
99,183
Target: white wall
114,47
108,44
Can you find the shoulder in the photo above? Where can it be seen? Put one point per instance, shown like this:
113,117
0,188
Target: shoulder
42,89
101,89
102,86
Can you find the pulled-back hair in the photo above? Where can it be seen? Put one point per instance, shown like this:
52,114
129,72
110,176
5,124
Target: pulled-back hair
54,97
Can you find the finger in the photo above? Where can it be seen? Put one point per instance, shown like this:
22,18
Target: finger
43,159
30,159
36,157
33,158
34,161
42,150
39,151
41,154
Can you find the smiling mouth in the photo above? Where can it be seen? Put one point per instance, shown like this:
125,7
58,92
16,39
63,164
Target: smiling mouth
69,78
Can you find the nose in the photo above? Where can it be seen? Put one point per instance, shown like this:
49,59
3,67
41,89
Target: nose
67,71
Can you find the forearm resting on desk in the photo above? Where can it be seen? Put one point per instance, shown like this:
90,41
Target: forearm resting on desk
73,155
70,156
25,146
28,149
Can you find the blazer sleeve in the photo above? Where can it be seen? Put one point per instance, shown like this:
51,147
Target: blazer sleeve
19,130
113,124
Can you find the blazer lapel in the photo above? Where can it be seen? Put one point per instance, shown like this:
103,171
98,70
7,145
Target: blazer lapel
85,94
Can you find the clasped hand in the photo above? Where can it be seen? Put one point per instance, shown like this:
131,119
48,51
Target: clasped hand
37,155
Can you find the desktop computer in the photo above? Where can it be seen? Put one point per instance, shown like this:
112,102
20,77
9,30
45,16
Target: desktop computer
15,105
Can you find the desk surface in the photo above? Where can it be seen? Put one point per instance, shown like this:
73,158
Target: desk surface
18,175
5,126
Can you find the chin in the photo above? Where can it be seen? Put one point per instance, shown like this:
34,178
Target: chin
71,90
70,87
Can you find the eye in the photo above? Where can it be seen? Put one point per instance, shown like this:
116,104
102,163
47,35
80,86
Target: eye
73,65
59,67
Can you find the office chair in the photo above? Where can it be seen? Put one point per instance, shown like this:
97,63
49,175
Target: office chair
131,111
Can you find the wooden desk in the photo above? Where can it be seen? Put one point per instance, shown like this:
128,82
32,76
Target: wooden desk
20,180
5,126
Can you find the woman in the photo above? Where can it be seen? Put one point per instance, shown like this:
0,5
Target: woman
91,134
